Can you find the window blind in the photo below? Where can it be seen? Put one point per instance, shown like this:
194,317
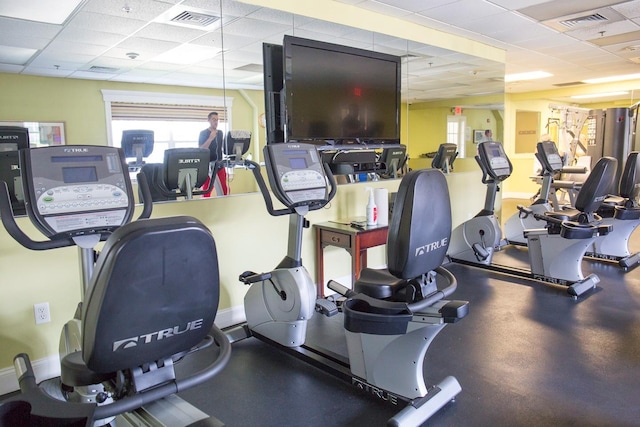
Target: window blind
137,111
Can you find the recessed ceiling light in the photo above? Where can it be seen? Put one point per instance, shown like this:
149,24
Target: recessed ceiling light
600,95
613,78
531,75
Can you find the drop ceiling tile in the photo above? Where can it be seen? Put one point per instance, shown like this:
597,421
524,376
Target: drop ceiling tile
34,10
630,9
170,33
229,8
230,41
70,61
462,11
555,9
105,23
277,16
24,41
383,8
61,48
254,28
97,38
15,55
415,5
607,30
50,72
11,68
140,10
147,45
19,28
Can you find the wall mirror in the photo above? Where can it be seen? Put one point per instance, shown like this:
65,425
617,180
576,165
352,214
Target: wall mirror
435,81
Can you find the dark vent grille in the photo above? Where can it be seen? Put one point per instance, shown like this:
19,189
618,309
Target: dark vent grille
568,84
194,18
581,20
97,69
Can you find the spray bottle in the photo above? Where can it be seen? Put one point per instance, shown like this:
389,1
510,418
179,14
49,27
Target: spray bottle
372,209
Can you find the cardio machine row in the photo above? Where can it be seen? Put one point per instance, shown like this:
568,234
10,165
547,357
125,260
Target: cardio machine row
597,226
121,369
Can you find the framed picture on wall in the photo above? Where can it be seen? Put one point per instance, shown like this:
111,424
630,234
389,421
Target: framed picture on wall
42,134
478,135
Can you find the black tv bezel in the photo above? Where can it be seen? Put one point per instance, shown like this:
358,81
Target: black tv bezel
290,41
273,72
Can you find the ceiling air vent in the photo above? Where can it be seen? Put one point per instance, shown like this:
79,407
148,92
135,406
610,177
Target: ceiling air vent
194,18
97,69
568,84
581,20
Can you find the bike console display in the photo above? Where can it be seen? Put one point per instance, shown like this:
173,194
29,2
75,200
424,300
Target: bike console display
494,160
76,190
296,174
549,157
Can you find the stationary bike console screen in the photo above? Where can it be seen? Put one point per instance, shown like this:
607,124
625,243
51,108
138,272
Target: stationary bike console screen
72,190
550,156
296,173
493,156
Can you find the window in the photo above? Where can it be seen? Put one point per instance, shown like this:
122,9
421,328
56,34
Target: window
175,119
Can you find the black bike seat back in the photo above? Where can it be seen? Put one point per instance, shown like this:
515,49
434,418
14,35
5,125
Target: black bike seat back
629,180
597,185
420,226
155,293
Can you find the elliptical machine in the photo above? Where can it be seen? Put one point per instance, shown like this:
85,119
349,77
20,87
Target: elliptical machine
555,250
391,316
118,353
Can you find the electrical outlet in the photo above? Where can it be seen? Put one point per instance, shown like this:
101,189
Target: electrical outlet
42,313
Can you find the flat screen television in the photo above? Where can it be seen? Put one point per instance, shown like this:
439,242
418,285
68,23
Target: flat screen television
339,94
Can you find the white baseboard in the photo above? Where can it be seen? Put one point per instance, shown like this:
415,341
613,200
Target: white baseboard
517,195
44,369
230,316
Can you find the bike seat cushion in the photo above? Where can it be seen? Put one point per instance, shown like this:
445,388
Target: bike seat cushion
378,283
154,293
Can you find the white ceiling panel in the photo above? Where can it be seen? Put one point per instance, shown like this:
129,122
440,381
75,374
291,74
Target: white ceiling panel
35,10
105,23
15,55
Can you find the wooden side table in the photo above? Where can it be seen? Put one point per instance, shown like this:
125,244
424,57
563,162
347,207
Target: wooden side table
355,240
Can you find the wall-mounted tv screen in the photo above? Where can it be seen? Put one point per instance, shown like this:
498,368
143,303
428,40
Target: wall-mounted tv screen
340,94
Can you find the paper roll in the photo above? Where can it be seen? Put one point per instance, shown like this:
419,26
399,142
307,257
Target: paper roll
381,197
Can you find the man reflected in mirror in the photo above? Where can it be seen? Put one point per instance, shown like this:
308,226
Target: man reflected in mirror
212,139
